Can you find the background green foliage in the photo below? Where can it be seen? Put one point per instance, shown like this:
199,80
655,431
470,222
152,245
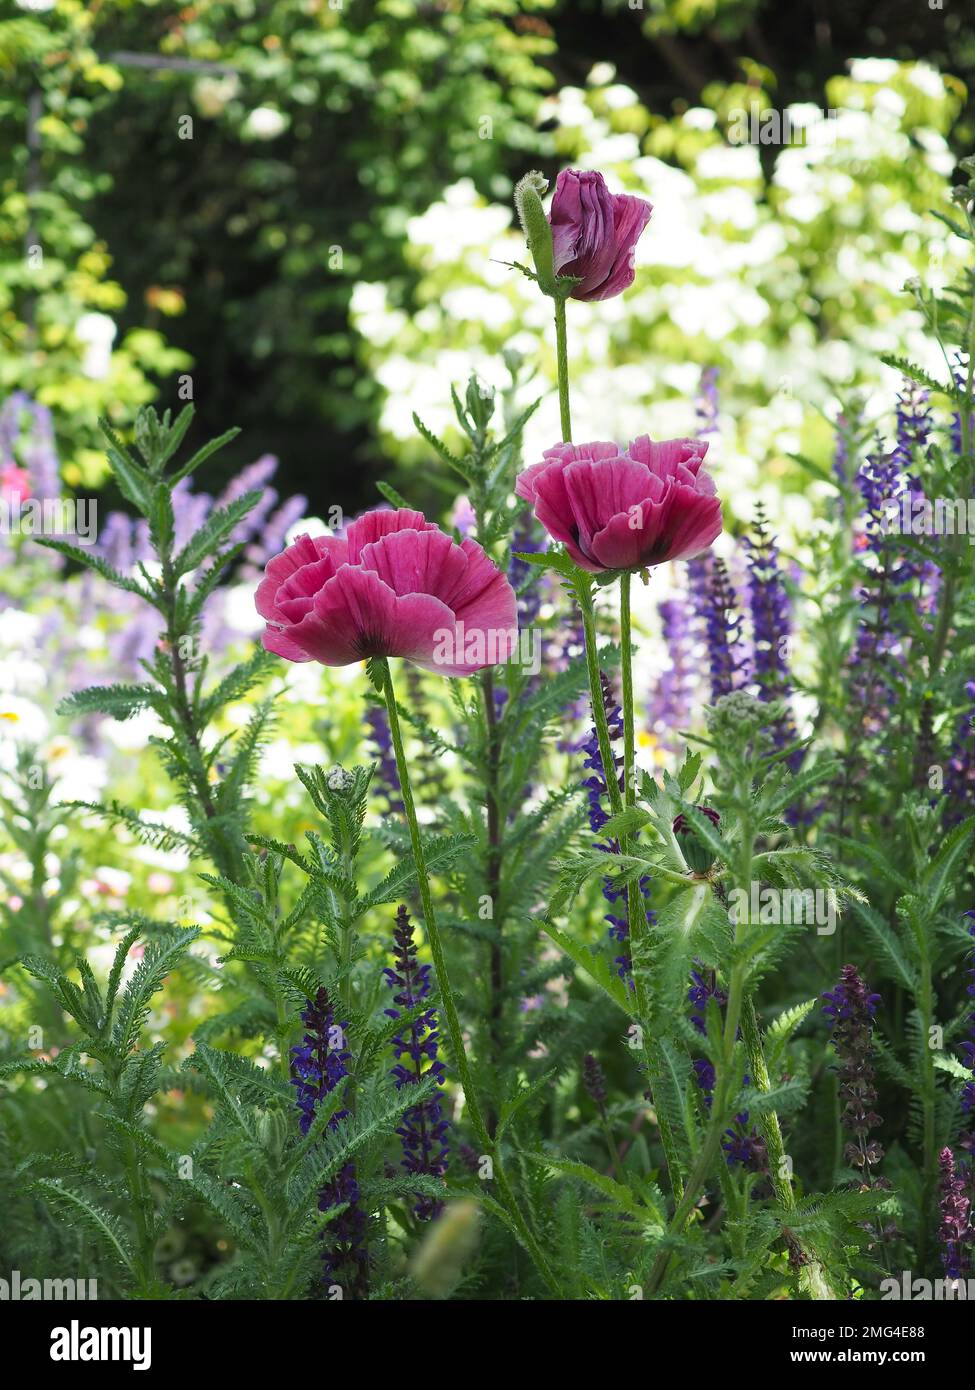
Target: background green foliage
320,131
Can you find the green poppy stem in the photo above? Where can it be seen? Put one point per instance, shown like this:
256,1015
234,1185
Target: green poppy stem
635,912
562,359
448,1005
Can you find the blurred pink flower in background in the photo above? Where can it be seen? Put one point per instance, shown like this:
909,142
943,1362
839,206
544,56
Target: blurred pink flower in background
14,482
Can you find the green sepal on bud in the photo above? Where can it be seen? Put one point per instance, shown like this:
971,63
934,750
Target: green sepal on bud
538,233
480,402
698,855
274,1130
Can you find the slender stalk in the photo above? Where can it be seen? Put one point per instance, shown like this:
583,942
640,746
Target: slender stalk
493,866
562,359
634,908
447,997
925,1004
635,920
616,1158
430,920
710,1149
811,1277
596,699
629,739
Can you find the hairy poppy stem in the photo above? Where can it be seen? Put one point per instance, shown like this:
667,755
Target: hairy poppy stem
651,1051
562,359
446,993
635,912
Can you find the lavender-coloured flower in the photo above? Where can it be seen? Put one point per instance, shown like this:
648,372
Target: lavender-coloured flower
741,1142
273,536
718,613
744,1145
959,782
594,1080
959,371
673,700
387,774
423,1128
524,577
255,477
598,791
967,1142
897,580
771,630
27,438
955,1230
320,1065
850,1006
841,451
707,403
704,987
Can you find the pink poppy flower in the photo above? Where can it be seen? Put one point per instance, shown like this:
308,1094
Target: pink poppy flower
625,510
594,233
393,585
14,483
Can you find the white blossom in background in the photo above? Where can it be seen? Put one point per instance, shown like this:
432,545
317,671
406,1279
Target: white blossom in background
722,264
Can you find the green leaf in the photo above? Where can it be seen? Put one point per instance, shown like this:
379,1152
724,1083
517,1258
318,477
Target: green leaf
617,1193
133,1007
153,833
395,498
203,454
133,481
923,378
594,965
95,562
438,853
117,701
80,1211
781,1029
888,945
225,1084
550,560
214,531
795,787
513,1105
941,874
237,683
437,444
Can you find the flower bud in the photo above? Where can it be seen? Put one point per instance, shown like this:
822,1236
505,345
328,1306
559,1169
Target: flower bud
697,854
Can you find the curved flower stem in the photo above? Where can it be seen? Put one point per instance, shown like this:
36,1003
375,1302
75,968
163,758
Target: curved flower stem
562,358
518,1221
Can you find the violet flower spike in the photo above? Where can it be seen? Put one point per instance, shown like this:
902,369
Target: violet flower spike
954,1206
851,1007
423,1128
319,1065
598,791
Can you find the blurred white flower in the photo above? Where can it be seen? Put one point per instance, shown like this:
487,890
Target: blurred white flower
96,332
265,123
